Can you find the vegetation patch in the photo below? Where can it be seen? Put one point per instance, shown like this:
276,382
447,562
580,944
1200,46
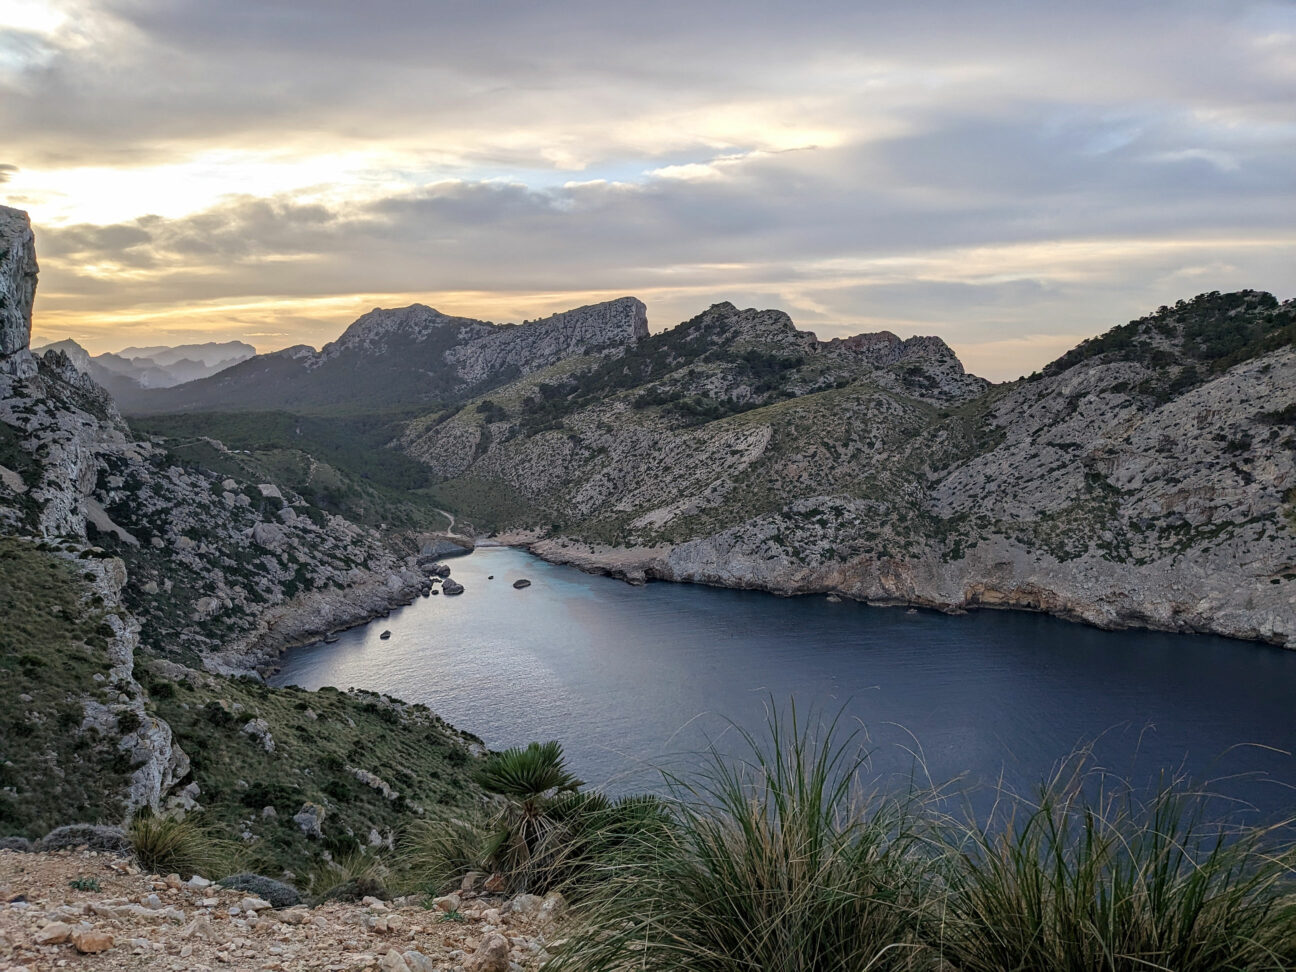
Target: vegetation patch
53,642
320,739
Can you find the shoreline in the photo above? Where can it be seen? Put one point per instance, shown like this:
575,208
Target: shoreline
638,565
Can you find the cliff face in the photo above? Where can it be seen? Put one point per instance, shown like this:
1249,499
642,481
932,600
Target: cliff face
212,559
17,290
1147,478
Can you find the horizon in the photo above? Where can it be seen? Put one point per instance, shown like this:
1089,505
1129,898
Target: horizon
1010,182
42,343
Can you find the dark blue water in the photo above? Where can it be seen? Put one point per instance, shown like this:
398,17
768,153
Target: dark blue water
635,678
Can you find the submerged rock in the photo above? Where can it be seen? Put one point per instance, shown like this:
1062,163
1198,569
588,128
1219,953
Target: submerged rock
521,583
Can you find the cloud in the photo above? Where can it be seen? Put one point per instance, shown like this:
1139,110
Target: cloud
7,171
987,172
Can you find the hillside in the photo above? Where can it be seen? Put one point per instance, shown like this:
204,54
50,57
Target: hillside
1145,478
405,355
132,576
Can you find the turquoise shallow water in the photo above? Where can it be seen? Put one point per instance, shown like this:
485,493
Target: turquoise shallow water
635,678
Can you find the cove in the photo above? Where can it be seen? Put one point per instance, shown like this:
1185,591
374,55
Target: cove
632,679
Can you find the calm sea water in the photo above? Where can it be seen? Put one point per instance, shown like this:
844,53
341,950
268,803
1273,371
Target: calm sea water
633,679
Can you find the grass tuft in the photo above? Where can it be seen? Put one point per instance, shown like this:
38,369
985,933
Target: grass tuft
1089,876
166,845
774,861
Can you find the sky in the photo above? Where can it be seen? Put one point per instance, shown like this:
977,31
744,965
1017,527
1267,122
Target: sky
1011,176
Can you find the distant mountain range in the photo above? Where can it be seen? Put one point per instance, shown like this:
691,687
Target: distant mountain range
409,355
127,373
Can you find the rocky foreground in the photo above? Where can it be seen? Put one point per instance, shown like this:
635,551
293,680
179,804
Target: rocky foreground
87,910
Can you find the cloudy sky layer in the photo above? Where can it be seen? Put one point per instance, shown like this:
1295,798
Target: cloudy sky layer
1011,176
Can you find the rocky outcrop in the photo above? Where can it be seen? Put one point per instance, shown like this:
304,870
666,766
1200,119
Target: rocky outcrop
1148,478
18,271
158,761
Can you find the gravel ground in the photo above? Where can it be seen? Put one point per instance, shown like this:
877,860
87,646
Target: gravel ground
119,918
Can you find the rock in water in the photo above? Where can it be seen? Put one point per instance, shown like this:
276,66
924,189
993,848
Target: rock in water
385,635
452,587
521,582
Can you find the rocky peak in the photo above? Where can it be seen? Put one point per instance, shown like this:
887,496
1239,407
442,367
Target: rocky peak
882,348
18,271
620,321
768,327
483,355
78,355
373,333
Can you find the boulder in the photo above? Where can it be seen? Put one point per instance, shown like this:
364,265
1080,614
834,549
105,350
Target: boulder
452,587
259,729
385,635
55,933
521,582
449,902
553,906
90,940
418,962
525,904
310,819
492,955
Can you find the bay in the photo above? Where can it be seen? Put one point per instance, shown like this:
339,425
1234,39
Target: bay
636,679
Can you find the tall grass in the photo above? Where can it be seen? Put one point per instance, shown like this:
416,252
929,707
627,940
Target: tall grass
774,862
166,845
1088,876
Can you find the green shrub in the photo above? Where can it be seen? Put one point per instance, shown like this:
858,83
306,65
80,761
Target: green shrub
356,876
528,836
438,853
280,895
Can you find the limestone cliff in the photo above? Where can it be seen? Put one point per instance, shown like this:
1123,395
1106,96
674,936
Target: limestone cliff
1146,478
17,289
212,560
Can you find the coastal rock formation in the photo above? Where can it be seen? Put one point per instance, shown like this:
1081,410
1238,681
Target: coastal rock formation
212,561
1146,478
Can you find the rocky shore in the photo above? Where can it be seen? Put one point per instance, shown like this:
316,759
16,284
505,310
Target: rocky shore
1075,592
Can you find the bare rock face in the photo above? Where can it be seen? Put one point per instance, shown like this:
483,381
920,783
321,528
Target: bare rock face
1147,478
18,271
